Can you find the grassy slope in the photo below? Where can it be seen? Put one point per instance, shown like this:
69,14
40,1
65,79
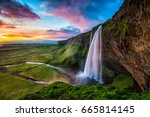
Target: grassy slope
69,55
13,87
63,91
119,89
26,53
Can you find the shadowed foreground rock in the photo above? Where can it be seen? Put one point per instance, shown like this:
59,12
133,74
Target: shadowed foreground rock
126,40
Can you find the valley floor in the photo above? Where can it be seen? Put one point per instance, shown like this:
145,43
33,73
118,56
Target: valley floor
16,82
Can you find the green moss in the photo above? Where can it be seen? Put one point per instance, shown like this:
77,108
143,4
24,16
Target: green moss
122,81
107,72
109,26
122,27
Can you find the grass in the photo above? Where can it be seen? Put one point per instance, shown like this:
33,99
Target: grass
120,89
40,73
69,55
13,87
26,53
62,91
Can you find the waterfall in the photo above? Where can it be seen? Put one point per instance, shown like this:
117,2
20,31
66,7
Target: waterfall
93,65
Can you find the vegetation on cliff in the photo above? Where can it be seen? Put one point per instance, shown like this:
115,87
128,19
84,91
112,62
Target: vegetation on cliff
62,91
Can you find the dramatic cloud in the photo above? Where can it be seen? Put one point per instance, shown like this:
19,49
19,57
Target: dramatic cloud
13,9
26,35
1,23
63,33
74,17
22,36
83,13
6,25
36,35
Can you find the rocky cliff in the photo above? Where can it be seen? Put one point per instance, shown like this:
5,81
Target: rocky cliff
126,41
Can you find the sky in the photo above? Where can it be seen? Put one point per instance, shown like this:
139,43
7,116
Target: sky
37,20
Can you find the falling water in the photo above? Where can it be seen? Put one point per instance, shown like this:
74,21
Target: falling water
93,65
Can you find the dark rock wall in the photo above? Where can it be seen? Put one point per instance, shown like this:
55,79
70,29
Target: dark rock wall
126,40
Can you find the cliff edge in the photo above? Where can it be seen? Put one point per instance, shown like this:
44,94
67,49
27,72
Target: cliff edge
126,41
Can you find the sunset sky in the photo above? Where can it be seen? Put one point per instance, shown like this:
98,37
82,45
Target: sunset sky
37,20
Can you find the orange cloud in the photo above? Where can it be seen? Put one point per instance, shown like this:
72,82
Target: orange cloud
8,35
21,36
6,25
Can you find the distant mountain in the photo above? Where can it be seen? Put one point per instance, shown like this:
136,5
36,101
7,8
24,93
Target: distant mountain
49,42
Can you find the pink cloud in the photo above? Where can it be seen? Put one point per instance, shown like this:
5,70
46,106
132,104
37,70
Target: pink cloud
73,16
14,9
6,25
63,33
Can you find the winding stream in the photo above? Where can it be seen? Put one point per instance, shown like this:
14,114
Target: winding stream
63,70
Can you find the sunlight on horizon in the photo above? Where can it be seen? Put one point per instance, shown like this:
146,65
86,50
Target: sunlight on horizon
27,20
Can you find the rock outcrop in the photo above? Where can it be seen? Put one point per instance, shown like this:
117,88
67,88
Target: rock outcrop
126,41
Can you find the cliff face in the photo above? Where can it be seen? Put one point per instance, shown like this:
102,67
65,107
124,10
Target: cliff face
126,41
83,39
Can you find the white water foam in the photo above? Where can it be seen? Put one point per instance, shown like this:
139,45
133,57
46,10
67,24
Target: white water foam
93,65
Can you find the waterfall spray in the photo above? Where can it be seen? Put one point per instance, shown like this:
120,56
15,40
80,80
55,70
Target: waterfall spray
93,64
